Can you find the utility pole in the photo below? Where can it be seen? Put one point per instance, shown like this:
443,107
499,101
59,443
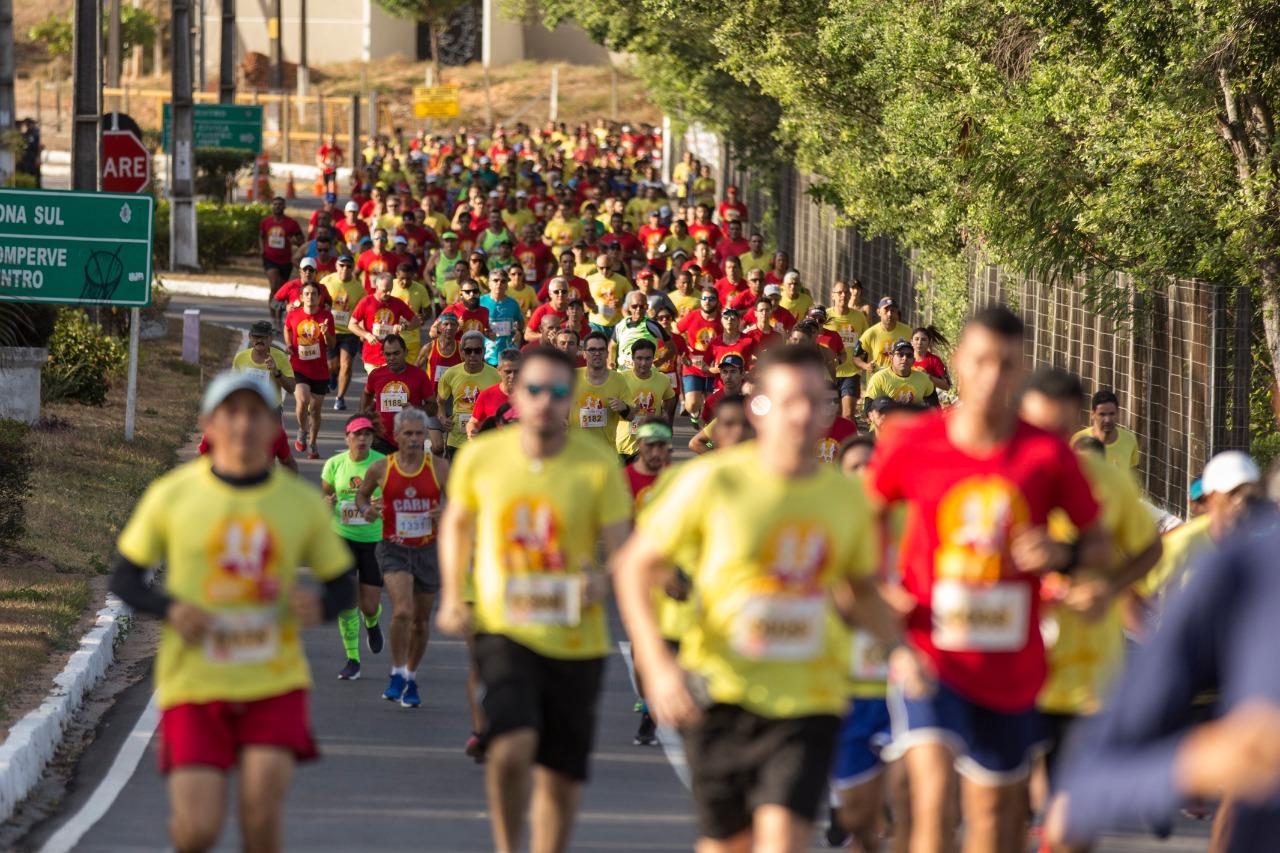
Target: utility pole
86,95
182,208
157,49
7,103
227,49
304,73
275,79
201,47
113,47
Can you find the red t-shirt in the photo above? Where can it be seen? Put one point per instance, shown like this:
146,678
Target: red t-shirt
374,316
709,268
781,319
469,319
576,282
351,232
279,445
832,341
535,319
420,240
698,333
700,231
652,236
731,291
931,365
725,206
370,263
639,482
840,429
535,260
727,248
630,245
331,156
744,346
277,238
392,392
745,301
308,352
954,554
290,293
487,403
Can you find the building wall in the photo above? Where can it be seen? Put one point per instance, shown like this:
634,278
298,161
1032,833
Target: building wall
566,43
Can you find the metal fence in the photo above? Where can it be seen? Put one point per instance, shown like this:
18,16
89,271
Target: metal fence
1180,361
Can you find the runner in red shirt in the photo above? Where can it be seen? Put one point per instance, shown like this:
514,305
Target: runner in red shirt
534,256
746,300
979,484
730,206
699,328
653,455
472,316
377,316
773,319
277,235
556,306
290,293
578,283
702,228
922,338
733,285
392,388
732,340
841,428
653,232
380,259
733,372
329,158
827,338
491,399
443,351
351,228
310,333
734,245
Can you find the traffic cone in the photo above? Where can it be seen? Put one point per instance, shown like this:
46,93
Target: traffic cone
290,191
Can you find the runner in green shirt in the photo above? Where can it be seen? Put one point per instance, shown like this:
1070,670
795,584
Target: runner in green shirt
340,480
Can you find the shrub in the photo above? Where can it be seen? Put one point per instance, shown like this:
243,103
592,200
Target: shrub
214,166
26,324
15,479
224,231
82,360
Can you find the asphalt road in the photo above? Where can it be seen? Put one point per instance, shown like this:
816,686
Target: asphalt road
391,778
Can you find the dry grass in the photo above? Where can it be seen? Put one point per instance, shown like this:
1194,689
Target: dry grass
85,483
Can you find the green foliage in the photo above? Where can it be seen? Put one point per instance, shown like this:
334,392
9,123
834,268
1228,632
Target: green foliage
25,324
215,165
225,230
55,33
82,361
422,10
15,479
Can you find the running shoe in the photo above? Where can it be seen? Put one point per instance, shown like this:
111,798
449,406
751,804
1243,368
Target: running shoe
409,699
351,671
339,405
647,734
299,445
313,453
836,836
395,688
333,384
373,638
475,748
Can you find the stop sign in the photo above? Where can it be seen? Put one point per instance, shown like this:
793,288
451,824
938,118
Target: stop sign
126,163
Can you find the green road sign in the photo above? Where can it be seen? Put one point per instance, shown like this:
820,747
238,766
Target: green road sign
222,126
75,248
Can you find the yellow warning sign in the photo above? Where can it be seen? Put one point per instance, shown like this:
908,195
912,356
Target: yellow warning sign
435,101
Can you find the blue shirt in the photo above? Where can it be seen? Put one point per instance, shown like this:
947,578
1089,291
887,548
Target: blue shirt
1219,633
505,318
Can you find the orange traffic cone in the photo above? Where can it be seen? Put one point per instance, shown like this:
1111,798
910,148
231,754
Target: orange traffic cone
290,191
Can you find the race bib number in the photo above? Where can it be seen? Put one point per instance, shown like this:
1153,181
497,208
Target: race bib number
530,274
696,360
971,618
381,330
341,318
501,328
413,525
607,310
868,658
243,636
350,514
463,418
633,427
592,418
394,401
540,599
779,628
308,352
275,241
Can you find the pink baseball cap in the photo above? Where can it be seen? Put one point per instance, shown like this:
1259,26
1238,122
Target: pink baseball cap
359,424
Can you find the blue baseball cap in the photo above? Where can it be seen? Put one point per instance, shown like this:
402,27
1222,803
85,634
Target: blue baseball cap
330,197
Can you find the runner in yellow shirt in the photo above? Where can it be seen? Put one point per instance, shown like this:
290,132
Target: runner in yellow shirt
600,394
1121,444
648,393
771,540
901,382
412,292
265,361
529,506
345,292
876,342
608,289
459,387
231,677
849,323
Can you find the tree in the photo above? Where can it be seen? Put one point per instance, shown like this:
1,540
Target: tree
434,13
137,29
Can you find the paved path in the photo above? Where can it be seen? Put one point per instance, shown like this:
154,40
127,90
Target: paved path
396,779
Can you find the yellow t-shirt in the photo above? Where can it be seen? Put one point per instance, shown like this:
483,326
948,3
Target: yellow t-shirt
244,362
1123,452
526,297
463,388
1182,544
646,398
877,341
868,659
850,328
519,219
797,306
675,618
563,234
586,269
684,302
672,242
417,297
912,388
344,295
537,526
608,292
235,552
437,222
751,262
1083,656
764,552
591,412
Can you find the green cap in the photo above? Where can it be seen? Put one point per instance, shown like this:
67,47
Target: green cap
448,235
652,433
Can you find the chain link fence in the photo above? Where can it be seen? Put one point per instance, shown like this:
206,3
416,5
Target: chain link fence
1179,361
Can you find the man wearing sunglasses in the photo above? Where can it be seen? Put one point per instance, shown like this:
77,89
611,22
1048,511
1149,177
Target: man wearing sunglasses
699,329
600,395
532,504
459,388
556,307
472,316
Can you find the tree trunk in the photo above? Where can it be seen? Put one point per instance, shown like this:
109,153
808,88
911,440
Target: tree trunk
433,39
1269,277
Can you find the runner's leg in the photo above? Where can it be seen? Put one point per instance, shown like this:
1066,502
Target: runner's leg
265,772
930,768
900,800
777,829
740,843
370,604
317,403
344,372
423,602
197,806
508,777
302,410
400,591
995,817
555,805
860,809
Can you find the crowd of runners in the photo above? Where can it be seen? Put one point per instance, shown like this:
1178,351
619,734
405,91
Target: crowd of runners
890,599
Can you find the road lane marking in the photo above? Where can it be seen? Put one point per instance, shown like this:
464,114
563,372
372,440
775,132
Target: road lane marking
667,736
122,768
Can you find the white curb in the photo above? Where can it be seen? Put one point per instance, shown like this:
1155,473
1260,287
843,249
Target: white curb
34,739
215,289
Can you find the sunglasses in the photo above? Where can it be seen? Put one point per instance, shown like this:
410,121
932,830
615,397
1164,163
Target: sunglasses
559,292
557,392
472,350
470,292
709,299
595,350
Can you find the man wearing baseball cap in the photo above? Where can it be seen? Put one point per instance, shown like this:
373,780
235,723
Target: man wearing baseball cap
231,678
345,292
351,227
289,296
340,480
265,361
900,381
443,264
875,347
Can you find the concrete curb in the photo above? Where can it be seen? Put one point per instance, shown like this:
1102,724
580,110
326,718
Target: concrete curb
214,289
33,741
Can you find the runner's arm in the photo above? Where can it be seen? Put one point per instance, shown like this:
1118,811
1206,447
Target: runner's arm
371,483
357,328
129,584
701,442
456,545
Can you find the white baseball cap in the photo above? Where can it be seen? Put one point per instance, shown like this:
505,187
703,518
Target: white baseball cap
352,207
229,382
1228,471
307,263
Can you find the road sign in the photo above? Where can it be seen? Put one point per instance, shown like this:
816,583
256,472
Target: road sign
435,101
222,126
75,248
126,162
